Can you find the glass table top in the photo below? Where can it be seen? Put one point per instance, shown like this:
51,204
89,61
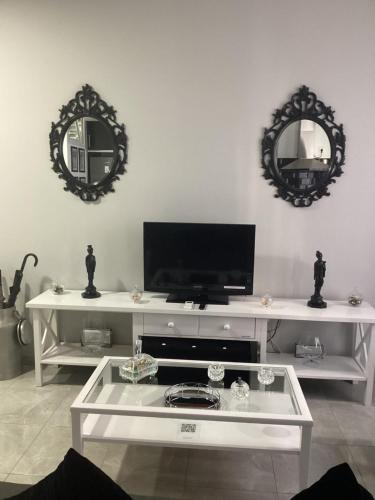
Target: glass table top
280,397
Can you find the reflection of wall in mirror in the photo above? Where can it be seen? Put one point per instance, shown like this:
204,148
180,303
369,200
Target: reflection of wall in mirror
315,141
304,139
88,150
287,146
75,142
99,165
100,151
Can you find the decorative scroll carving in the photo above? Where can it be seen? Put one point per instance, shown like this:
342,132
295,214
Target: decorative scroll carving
303,105
87,103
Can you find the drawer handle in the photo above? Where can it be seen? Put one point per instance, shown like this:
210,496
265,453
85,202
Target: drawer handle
170,324
227,326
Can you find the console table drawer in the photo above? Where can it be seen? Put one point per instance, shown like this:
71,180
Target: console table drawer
165,324
227,327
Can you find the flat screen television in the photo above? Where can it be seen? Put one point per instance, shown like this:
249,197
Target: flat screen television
200,262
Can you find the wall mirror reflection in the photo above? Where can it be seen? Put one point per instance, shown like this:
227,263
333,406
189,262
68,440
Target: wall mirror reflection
88,146
303,150
88,150
303,154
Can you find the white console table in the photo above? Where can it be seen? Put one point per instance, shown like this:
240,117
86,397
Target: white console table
244,318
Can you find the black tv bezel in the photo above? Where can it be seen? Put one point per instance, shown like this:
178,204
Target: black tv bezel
192,292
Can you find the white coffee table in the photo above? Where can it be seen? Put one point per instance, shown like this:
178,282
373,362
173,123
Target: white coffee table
275,418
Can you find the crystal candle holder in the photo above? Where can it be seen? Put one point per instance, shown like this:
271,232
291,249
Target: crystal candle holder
215,371
266,376
57,288
136,295
355,298
266,300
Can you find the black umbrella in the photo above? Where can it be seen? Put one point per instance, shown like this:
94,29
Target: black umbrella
2,298
15,288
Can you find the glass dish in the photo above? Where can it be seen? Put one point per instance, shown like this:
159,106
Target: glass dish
192,395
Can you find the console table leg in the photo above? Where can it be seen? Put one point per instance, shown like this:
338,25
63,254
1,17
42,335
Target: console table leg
261,336
304,456
77,441
137,328
37,347
370,368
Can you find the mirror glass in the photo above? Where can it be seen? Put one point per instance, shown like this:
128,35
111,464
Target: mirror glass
303,154
88,149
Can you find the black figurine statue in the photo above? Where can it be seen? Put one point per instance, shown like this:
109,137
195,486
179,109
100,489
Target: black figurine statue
319,274
90,291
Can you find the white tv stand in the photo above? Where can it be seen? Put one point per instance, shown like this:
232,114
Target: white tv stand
242,318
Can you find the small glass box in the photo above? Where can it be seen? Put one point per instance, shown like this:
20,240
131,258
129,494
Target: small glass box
95,337
138,367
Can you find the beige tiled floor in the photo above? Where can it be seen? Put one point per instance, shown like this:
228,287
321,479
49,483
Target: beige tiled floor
35,434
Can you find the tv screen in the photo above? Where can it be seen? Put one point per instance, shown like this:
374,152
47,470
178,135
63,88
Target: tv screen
191,260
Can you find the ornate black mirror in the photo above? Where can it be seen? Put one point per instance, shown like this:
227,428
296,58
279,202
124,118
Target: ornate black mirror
303,150
88,146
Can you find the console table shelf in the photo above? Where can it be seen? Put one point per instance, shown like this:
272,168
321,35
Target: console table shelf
328,368
244,318
72,354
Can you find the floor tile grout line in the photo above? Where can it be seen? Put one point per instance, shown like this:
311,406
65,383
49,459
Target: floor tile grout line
368,486
26,449
342,433
274,474
362,479
36,437
186,471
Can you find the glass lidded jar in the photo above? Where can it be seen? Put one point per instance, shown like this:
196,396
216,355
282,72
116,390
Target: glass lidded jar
240,389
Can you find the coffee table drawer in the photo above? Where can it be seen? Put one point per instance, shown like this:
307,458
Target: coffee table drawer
176,325
227,327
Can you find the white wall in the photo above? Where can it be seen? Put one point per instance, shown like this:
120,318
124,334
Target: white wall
195,82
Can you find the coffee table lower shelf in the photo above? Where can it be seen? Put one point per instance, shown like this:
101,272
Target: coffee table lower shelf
152,431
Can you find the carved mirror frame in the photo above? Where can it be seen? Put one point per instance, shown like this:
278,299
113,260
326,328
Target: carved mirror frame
303,105
87,103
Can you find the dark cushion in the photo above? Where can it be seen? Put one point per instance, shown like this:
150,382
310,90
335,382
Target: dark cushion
75,478
338,482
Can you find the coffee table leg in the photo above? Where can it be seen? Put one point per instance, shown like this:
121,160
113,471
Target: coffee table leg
77,441
370,366
304,456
